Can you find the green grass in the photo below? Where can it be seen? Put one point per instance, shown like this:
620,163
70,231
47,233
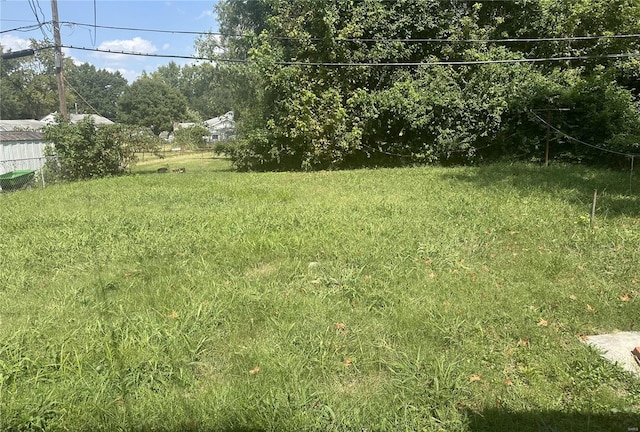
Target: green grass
395,299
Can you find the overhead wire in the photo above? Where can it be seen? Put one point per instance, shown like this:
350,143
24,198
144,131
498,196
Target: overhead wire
37,2
35,5
14,20
379,40
579,141
367,64
27,27
94,35
80,96
338,39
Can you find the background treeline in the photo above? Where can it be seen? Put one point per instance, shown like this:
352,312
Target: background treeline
156,100
289,70
299,115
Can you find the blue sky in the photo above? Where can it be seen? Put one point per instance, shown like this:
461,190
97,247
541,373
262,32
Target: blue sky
181,15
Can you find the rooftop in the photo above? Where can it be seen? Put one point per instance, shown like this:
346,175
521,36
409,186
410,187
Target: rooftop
20,136
21,125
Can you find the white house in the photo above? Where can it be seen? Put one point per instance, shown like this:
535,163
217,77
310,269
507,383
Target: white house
21,125
221,128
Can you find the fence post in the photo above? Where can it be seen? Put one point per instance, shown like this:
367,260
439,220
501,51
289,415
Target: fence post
593,207
633,157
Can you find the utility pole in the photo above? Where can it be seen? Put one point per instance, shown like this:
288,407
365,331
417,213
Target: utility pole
59,60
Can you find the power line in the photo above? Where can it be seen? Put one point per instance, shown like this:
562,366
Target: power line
15,20
381,40
467,63
369,64
136,29
35,5
374,40
94,35
80,96
140,54
27,28
569,137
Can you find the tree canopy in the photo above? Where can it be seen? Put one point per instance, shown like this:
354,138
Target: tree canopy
96,90
306,101
28,85
152,103
203,85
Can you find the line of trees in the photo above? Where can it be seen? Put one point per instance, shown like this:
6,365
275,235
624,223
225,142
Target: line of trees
142,109
295,112
317,117
155,100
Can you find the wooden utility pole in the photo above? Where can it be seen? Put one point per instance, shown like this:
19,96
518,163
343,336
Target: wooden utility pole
59,59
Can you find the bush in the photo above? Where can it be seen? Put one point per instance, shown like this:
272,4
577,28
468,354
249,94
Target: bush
440,114
191,137
601,113
85,151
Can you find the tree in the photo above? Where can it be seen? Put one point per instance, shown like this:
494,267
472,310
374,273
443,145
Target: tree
298,116
203,85
152,103
84,151
191,137
28,84
97,90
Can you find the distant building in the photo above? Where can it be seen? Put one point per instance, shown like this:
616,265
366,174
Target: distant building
177,126
21,125
75,118
221,128
22,143
21,150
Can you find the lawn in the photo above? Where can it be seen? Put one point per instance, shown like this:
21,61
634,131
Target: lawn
450,299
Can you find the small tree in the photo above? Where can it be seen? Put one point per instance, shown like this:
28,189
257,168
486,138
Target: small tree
192,136
136,139
84,151
150,102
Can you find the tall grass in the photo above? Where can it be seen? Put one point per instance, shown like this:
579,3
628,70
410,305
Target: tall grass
402,299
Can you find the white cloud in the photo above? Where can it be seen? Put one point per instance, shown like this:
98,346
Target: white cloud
66,52
128,74
166,47
13,43
206,14
135,45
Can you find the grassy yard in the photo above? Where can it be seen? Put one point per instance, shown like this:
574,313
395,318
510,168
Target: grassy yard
448,299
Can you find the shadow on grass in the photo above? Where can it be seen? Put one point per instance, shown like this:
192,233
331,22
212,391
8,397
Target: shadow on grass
552,421
618,192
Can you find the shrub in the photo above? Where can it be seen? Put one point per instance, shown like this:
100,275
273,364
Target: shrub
84,151
191,137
